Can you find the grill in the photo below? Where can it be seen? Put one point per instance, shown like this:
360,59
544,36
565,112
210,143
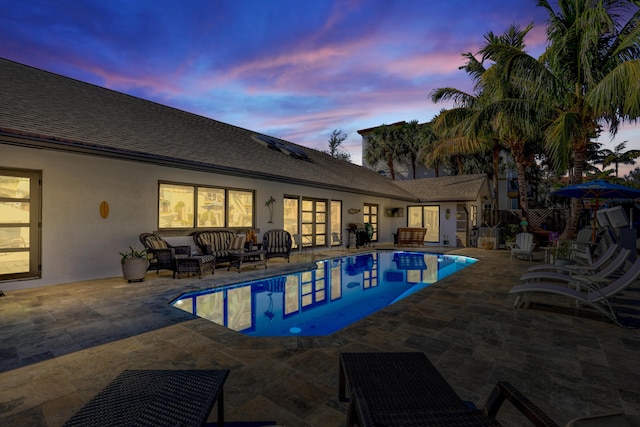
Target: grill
358,235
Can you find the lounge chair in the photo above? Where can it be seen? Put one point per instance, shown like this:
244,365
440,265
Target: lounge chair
523,247
277,244
578,275
595,297
598,264
405,389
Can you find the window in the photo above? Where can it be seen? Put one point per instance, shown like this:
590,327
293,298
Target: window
20,200
371,216
426,217
189,205
291,215
336,219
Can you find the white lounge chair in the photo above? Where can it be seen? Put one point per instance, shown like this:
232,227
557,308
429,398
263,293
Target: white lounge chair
578,276
523,246
597,298
608,255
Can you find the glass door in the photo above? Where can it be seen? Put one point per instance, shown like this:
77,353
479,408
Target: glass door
19,224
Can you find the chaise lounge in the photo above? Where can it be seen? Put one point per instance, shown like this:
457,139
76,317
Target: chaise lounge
594,296
405,389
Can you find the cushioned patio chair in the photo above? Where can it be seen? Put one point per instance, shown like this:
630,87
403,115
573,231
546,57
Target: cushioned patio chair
595,296
164,255
523,247
277,244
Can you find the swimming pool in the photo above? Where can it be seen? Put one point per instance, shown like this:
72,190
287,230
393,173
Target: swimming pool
321,301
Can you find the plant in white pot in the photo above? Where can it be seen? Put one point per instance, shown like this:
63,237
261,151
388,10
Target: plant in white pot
134,264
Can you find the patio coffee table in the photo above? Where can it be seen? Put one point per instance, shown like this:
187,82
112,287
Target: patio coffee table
156,398
240,258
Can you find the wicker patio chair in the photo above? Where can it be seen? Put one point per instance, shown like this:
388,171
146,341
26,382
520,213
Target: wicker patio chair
164,255
277,244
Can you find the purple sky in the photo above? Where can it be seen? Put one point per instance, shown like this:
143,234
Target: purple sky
295,69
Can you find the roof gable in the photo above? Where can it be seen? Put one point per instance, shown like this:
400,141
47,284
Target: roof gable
458,188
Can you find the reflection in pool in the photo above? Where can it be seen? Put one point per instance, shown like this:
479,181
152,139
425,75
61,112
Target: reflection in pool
339,292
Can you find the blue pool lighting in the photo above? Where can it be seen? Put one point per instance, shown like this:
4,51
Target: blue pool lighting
321,301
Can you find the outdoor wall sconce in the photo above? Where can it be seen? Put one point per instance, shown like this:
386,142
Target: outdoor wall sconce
448,214
104,209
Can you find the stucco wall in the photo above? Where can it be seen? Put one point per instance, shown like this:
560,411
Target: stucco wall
78,244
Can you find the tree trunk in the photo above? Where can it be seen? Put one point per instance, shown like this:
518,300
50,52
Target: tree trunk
496,183
580,153
390,165
413,164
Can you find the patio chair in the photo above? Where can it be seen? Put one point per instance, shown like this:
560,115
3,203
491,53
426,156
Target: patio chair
336,238
523,247
164,255
277,244
300,244
594,296
405,389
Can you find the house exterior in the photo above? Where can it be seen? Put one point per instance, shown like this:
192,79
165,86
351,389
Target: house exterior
84,170
450,207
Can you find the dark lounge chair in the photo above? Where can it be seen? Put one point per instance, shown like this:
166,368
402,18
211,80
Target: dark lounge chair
405,389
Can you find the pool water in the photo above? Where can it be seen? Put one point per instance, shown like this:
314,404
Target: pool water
321,301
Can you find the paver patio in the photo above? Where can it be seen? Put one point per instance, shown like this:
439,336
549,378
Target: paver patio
60,345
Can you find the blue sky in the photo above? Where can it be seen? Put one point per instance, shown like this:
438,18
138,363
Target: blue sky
295,69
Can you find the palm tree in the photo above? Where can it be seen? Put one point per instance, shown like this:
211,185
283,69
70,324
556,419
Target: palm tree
430,141
618,156
413,136
383,145
488,120
588,76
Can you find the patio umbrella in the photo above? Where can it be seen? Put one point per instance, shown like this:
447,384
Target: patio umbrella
598,189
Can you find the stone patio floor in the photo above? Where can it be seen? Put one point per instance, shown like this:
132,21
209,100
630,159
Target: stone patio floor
60,345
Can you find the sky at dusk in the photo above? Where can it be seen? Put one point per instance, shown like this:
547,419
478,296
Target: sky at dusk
294,69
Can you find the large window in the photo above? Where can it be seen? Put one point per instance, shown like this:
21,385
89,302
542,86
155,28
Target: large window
20,199
371,216
426,217
190,205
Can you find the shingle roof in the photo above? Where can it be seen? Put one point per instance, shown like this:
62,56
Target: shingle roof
458,188
58,112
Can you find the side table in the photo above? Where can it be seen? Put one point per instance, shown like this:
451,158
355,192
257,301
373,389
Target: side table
156,398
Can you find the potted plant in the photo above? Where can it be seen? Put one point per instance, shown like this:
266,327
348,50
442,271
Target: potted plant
562,254
134,264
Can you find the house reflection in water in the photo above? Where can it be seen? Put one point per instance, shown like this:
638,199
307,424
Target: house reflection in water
338,292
